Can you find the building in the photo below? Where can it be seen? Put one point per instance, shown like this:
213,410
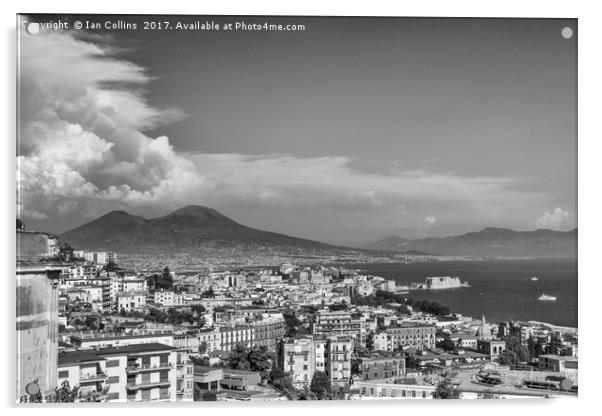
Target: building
412,335
206,379
210,339
268,331
338,364
377,367
565,365
168,298
131,301
298,357
337,322
101,339
240,380
234,335
403,388
184,376
86,369
37,324
139,372
303,357
491,347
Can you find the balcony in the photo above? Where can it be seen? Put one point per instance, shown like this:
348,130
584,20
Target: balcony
147,367
148,384
92,378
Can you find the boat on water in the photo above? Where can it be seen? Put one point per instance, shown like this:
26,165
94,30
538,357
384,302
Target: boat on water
534,279
548,298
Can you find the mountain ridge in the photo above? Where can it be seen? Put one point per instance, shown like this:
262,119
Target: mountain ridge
187,227
489,241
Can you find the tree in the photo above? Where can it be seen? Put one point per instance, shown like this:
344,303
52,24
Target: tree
320,385
166,275
338,306
447,344
239,358
370,342
64,394
202,347
507,357
520,352
260,360
292,322
198,308
446,390
209,293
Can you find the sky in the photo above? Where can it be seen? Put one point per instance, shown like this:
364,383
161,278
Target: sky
350,131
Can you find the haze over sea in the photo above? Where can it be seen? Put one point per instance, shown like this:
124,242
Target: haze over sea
500,289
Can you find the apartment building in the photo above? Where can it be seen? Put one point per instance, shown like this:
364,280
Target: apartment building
86,369
336,323
268,331
302,357
130,301
184,376
338,362
168,298
140,372
412,335
381,367
101,339
234,335
211,339
298,357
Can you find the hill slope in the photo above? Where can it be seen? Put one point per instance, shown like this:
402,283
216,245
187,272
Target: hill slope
189,227
496,242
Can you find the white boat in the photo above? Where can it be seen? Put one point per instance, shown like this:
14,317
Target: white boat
547,298
534,279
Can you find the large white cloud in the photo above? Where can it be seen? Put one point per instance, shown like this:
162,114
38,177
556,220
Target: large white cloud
82,117
554,220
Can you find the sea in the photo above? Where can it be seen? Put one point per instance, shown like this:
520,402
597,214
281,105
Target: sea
499,289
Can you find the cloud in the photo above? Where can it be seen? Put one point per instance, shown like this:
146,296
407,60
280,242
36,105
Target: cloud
82,144
554,220
84,150
429,221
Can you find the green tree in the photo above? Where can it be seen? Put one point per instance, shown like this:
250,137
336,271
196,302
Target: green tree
202,347
320,385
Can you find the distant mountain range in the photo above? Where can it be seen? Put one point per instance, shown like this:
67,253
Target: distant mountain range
196,227
190,227
494,242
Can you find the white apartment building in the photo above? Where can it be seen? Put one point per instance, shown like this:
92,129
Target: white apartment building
145,372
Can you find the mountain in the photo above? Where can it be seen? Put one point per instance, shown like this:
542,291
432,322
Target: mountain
186,228
494,242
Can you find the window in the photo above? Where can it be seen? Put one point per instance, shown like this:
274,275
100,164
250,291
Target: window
64,374
113,396
114,380
112,363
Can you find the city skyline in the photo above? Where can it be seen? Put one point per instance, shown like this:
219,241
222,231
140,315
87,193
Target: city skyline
386,126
